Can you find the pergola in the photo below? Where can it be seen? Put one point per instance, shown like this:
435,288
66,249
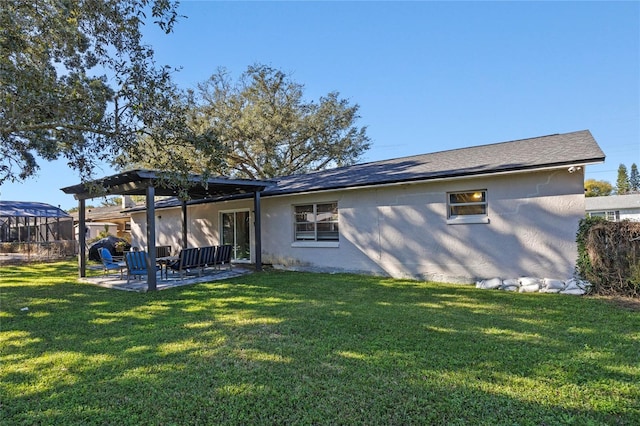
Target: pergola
151,183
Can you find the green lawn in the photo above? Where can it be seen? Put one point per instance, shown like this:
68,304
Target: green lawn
297,348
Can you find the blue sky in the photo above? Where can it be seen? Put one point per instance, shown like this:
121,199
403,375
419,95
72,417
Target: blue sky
428,76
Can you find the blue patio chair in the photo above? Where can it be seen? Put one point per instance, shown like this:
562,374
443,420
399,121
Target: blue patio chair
108,264
136,264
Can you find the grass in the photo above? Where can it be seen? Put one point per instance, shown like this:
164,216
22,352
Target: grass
297,348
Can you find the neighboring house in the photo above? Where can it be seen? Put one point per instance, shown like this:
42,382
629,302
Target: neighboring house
92,230
114,220
614,207
502,210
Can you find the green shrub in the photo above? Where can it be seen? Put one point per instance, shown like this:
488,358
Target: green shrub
583,265
609,256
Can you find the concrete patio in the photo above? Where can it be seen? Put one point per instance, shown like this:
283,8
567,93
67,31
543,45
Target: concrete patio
112,279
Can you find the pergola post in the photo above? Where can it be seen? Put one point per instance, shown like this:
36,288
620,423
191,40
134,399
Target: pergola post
151,239
184,224
258,230
82,239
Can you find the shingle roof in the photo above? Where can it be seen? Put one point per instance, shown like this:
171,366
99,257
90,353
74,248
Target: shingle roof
558,150
102,213
612,202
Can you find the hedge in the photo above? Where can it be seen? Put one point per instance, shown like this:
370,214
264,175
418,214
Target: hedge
609,256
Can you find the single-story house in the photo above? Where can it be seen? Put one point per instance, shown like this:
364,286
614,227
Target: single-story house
113,219
93,229
614,207
500,210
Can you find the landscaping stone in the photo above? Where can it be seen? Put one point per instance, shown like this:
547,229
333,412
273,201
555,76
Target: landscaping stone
572,286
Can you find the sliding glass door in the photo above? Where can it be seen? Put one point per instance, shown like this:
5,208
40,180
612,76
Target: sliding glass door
235,231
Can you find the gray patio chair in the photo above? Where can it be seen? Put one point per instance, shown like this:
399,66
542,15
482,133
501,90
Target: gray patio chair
207,257
163,251
223,255
188,259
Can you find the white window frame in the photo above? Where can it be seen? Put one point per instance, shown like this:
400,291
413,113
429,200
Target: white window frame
610,215
455,219
313,240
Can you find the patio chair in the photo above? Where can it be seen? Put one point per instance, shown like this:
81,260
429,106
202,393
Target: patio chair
108,264
207,257
189,258
136,264
223,256
163,251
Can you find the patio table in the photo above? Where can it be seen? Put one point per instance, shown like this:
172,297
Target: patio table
164,263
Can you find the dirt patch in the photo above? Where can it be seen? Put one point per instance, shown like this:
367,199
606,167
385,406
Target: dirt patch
628,303
25,259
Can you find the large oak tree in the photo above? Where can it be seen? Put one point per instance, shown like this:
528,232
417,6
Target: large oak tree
77,82
264,127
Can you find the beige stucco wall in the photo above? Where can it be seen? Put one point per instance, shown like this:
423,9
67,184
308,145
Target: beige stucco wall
402,230
203,227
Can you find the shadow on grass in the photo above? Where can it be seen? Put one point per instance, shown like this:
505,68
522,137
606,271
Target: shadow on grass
312,349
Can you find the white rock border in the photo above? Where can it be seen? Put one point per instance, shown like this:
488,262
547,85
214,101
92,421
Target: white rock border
571,286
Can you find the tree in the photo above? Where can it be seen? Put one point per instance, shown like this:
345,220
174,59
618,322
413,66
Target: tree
622,183
634,179
597,188
111,201
77,82
266,129
75,208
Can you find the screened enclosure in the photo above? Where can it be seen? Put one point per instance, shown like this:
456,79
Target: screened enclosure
35,229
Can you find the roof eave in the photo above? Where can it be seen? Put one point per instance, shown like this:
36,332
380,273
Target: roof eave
445,176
